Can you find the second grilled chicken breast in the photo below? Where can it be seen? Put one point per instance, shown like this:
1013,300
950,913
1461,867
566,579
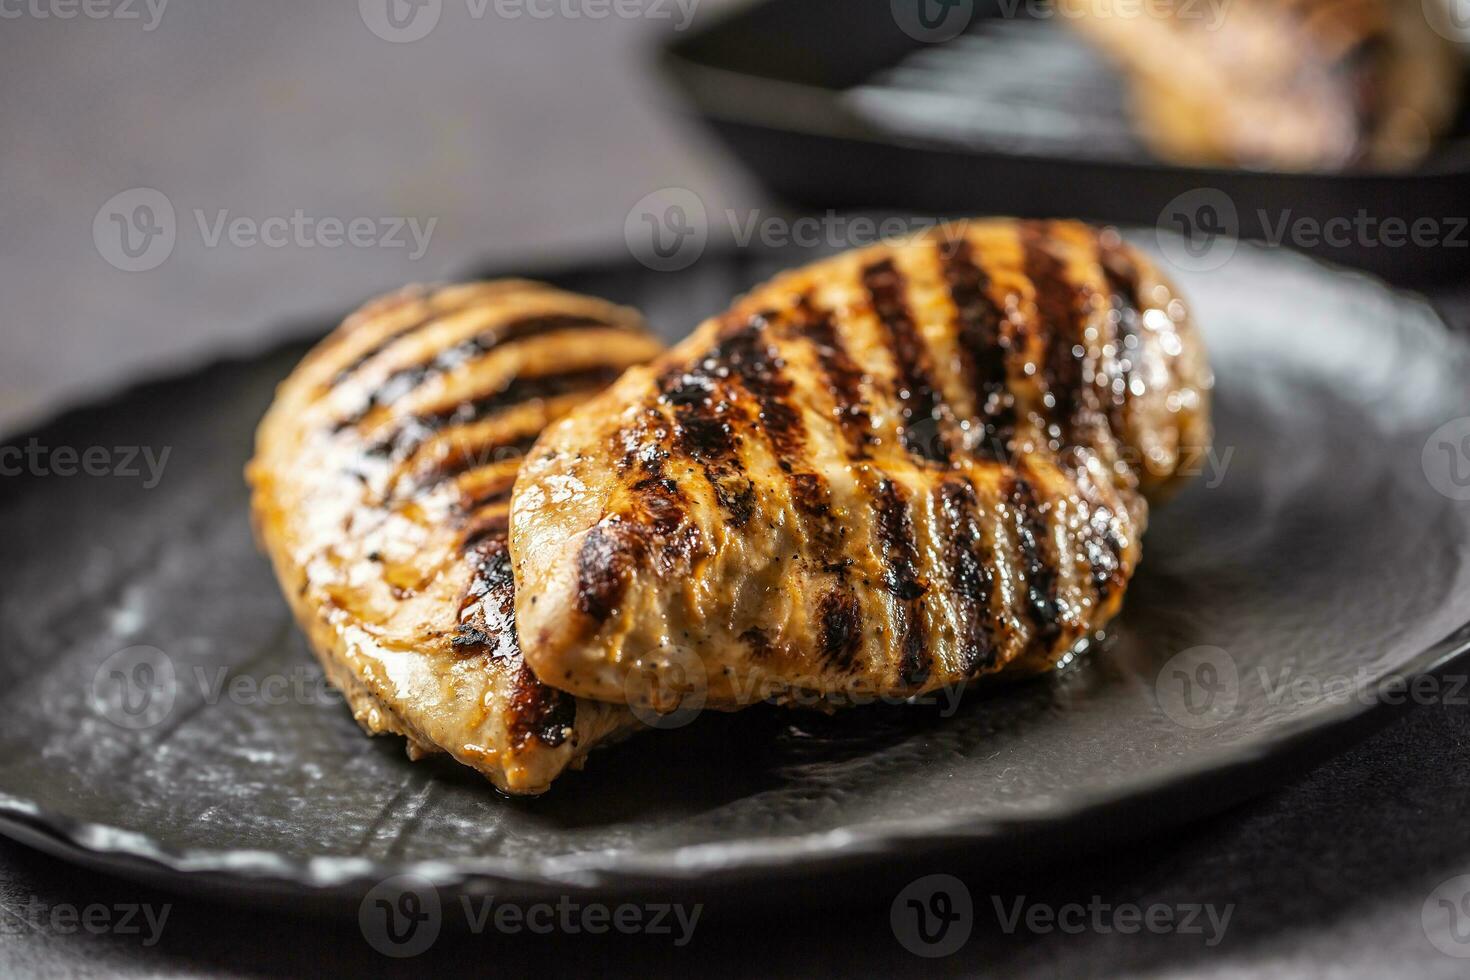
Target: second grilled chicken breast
382,480
900,468
1283,84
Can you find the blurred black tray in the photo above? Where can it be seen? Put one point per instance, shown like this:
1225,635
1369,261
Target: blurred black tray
833,105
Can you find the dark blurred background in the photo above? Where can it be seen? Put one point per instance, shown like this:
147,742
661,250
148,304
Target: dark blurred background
528,139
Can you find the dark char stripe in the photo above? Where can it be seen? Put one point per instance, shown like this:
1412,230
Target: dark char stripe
408,379
754,363
464,457
386,342
486,527
1057,314
971,577
843,379
840,623
920,405
659,507
605,565
487,626
705,420
1121,273
410,433
1041,574
983,346
901,561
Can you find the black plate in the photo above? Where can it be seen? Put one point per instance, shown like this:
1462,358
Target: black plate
835,104
1324,551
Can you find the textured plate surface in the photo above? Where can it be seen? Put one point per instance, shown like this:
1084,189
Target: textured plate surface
1319,552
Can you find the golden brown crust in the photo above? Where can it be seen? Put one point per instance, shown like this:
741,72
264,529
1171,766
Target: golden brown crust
381,488
897,469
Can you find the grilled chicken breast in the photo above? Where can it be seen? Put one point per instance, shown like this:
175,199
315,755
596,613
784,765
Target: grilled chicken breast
900,468
382,480
1283,84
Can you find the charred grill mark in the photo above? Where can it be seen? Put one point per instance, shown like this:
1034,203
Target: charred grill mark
383,344
983,346
539,712
659,503
605,565
486,527
971,576
1041,574
1121,273
920,405
901,560
753,362
705,431
841,628
407,379
750,359
487,618
462,458
411,432
487,625
842,376
1059,330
